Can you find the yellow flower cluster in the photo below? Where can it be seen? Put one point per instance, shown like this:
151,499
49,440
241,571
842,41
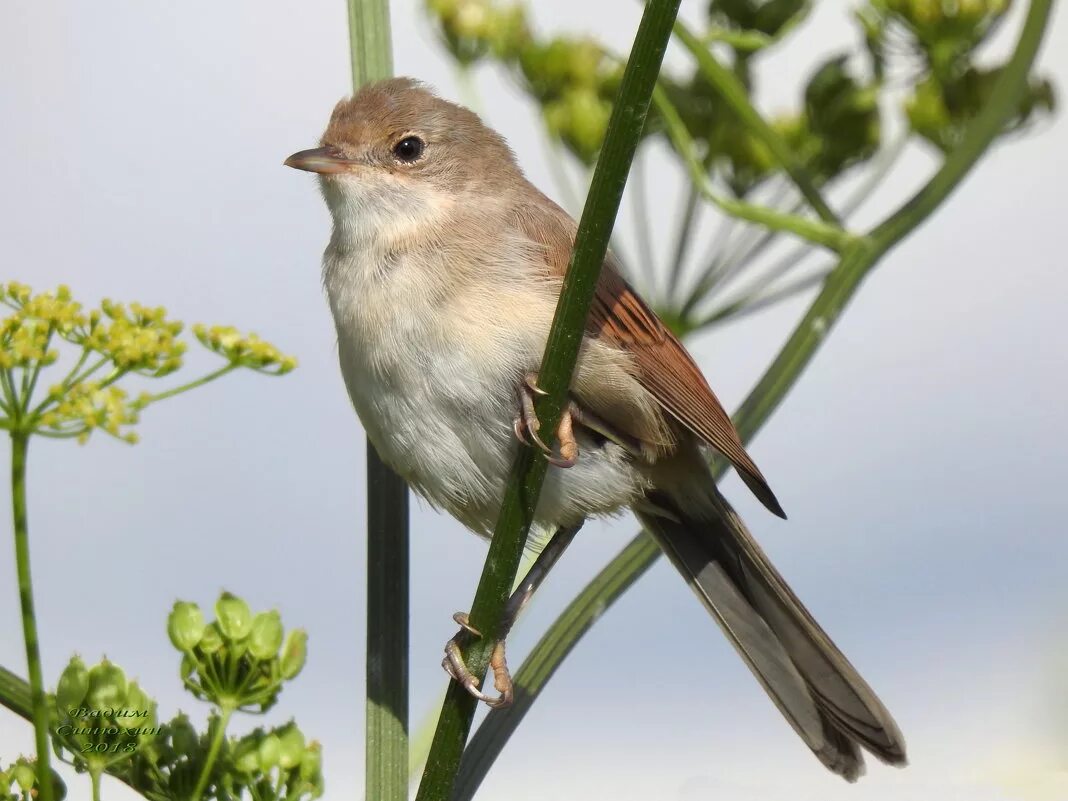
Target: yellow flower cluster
244,350
114,341
26,334
139,339
88,406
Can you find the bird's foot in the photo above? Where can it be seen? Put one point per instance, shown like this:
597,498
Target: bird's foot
526,425
456,667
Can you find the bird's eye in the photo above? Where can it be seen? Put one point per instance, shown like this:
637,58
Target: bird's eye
409,149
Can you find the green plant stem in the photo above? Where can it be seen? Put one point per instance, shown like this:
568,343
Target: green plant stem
370,44
828,235
683,237
388,592
561,352
749,303
735,95
19,448
217,738
15,694
642,230
170,393
386,742
858,260
94,778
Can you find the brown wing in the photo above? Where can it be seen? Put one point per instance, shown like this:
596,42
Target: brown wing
665,368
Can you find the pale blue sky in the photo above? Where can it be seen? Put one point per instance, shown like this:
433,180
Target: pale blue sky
921,458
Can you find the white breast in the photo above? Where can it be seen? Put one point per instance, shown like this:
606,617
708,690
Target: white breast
432,350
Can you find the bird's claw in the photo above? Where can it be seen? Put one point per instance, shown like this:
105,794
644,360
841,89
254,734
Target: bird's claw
526,425
456,667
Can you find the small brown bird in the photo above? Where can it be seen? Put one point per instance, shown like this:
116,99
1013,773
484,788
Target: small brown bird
443,272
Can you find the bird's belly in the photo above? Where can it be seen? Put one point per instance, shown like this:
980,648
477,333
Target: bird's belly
442,416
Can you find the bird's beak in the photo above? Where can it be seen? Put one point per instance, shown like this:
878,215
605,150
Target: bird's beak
323,160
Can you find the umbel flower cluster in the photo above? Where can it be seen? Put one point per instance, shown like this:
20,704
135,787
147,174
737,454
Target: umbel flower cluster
108,346
240,660
925,47
104,723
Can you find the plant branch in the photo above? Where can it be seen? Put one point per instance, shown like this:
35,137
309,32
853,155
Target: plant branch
561,352
828,235
19,447
734,93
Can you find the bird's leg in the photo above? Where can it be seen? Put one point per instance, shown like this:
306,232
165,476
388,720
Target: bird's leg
502,680
587,419
526,425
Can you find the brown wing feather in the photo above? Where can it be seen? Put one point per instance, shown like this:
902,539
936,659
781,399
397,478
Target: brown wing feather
665,368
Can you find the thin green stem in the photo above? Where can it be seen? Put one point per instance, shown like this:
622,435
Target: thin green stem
19,448
73,434
94,778
783,373
10,395
828,235
561,352
642,230
749,303
683,238
29,377
734,93
170,393
884,163
218,735
554,157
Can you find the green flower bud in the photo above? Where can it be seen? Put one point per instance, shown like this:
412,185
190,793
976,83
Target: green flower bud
138,701
107,686
269,752
247,753
584,61
311,762
471,20
185,625
23,775
557,64
72,687
184,737
510,32
211,641
233,617
588,121
266,636
291,742
294,653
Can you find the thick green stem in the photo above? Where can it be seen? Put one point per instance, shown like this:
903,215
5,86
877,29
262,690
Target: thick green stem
386,742
561,352
218,735
856,262
370,45
19,447
388,591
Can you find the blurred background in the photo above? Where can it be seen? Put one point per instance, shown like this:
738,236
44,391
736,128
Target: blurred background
921,458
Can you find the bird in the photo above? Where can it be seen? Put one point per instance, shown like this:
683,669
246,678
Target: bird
442,274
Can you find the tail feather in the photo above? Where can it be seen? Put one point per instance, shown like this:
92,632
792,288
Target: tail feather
815,687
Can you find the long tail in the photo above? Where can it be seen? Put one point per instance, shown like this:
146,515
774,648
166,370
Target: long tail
820,693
